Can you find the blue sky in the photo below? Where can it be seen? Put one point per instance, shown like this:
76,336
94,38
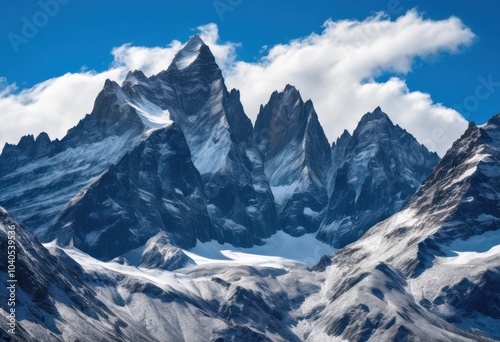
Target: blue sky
83,34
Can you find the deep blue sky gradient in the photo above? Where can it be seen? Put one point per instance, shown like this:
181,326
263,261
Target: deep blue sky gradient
83,33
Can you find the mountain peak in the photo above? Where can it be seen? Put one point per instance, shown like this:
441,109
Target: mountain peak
387,151
345,134
290,92
287,99
290,88
26,140
135,77
377,113
495,120
295,151
42,137
196,39
375,117
189,53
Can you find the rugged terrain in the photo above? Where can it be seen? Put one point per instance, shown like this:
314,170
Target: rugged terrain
166,216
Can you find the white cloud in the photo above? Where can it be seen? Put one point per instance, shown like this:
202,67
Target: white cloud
52,106
337,69
224,53
150,60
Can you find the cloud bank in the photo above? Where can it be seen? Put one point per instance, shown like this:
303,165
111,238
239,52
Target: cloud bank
337,69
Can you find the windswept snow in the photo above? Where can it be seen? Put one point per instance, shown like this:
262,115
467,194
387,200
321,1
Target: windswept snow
159,277
150,114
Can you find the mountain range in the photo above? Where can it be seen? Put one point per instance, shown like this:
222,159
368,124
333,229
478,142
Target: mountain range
139,203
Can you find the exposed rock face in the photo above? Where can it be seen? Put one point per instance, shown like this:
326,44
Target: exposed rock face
39,177
50,289
166,161
219,135
153,188
296,159
375,171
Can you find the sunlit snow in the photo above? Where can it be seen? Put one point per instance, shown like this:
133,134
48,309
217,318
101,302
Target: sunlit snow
279,249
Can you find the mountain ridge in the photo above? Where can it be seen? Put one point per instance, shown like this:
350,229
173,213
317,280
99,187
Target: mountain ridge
169,162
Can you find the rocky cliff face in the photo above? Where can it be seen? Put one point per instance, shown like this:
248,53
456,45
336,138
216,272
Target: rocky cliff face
166,162
374,173
39,177
296,159
61,182
154,188
219,135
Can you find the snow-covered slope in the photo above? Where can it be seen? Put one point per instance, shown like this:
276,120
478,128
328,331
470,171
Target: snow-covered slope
279,250
427,273
166,225
296,159
374,173
66,295
53,300
154,188
39,177
431,271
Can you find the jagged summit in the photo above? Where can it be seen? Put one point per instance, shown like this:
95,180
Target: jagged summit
343,137
443,244
190,53
290,90
169,167
191,94
495,120
43,137
376,115
374,173
296,158
282,121
135,77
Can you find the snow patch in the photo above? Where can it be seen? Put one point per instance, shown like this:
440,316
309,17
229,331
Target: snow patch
151,115
284,192
278,250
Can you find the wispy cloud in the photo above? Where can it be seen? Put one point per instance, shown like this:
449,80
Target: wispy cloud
337,69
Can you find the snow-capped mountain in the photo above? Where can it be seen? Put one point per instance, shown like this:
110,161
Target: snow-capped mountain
53,299
296,159
374,173
427,273
154,188
219,136
39,177
54,184
431,271
161,208
66,295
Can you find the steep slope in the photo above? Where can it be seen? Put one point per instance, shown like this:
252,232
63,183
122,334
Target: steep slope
219,135
296,158
429,272
66,295
39,177
52,299
375,171
154,188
